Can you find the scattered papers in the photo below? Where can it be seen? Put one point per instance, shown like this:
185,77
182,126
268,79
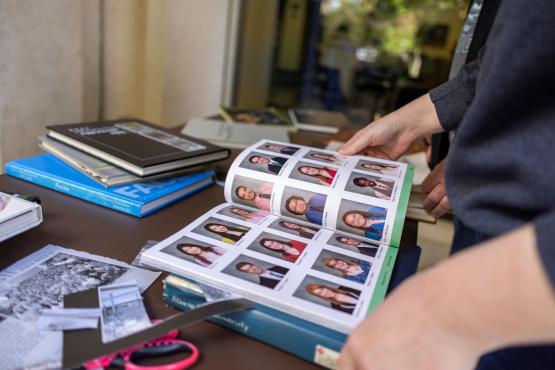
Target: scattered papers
39,282
68,319
123,311
137,262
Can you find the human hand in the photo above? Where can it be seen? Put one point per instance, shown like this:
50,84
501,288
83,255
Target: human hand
391,136
437,201
405,333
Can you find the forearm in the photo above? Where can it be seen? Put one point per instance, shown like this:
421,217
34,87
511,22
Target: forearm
418,118
494,295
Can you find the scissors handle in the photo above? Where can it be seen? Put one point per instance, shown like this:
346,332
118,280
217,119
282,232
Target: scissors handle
163,347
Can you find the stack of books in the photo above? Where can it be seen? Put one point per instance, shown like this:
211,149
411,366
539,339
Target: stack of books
127,165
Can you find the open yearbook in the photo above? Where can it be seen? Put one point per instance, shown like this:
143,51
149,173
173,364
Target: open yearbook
305,231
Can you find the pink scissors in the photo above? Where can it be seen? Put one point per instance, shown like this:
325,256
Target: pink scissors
163,346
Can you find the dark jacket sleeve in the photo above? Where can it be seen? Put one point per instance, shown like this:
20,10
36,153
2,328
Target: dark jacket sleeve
545,235
452,98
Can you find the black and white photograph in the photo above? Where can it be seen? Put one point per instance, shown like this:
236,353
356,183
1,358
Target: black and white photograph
194,251
323,157
279,148
45,285
256,271
221,230
373,186
278,246
316,174
303,204
359,245
123,311
338,297
346,267
362,219
263,162
244,214
378,167
252,193
296,228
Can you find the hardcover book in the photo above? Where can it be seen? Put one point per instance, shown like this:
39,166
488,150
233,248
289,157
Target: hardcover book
137,146
305,231
288,333
138,199
17,215
102,172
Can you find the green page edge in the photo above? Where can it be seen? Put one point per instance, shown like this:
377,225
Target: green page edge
391,254
402,208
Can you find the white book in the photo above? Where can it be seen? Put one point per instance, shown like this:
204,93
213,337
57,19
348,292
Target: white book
17,215
304,231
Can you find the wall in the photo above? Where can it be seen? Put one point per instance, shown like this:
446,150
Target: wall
161,60
164,59
48,69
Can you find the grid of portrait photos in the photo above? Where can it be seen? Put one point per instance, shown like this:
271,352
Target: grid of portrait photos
355,194
321,275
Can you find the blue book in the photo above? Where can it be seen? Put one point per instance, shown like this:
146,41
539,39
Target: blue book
298,337
139,199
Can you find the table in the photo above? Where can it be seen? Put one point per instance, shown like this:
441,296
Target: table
76,224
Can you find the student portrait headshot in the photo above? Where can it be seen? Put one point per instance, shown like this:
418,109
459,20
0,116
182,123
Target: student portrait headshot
253,193
195,251
279,148
244,214
277,246
361,246
374,186
262,162
256,271
295,228
362,219
325,293
223,231
308,172
378,167
303,204
349,268
323,157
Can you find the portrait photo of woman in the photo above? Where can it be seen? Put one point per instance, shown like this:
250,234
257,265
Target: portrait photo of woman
370,223
289,250
366,185
341,298
303,231
322,157
201,255
240,213
350,269
228,234
378,167
322,175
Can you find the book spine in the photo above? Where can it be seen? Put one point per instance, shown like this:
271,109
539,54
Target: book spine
274,330
73,189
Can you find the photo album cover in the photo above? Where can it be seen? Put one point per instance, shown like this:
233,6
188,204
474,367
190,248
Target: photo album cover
305,231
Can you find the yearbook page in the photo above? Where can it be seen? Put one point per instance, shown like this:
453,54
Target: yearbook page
357,194
327,277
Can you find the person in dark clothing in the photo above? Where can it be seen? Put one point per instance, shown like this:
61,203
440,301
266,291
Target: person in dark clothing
275,164
269,277
499,180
